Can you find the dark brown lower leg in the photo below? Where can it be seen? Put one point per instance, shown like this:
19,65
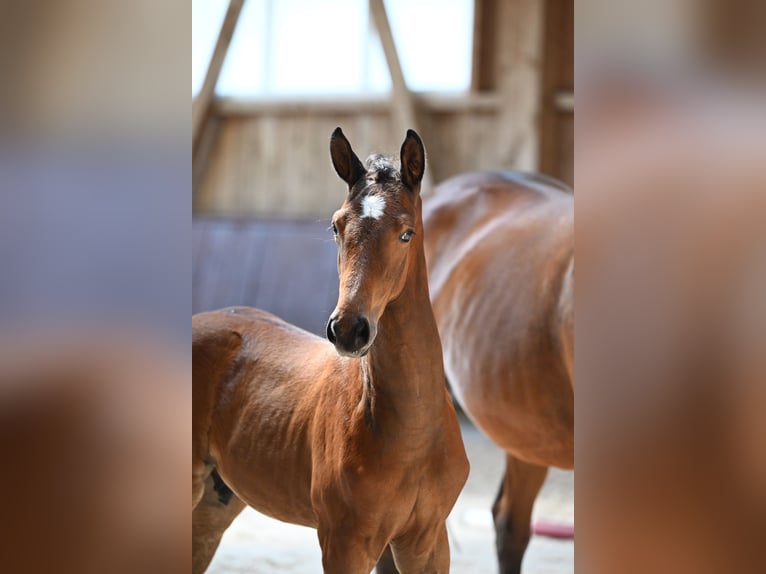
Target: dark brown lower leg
512,511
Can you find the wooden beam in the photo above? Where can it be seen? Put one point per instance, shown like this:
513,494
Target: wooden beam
226,107
202,104
557,91
484,65
403,102
519,73
207,143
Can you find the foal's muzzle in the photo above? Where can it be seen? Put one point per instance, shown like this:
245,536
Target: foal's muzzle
351,335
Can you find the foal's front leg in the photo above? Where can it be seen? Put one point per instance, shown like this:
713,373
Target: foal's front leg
423,550
346,551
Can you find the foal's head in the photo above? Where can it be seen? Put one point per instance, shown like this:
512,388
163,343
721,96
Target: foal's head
378,230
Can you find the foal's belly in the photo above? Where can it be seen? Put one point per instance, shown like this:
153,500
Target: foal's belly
278,500
261,430
271,476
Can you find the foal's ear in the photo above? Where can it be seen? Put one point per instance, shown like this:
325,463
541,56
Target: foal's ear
346,164
413,160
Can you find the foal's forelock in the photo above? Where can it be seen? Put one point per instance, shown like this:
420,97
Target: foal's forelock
382,169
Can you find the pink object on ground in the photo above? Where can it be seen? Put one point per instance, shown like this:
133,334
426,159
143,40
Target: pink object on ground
553,530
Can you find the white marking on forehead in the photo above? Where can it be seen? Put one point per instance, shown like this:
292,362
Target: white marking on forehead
373,206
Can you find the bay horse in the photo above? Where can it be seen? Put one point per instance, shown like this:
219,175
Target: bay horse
500,253
356,437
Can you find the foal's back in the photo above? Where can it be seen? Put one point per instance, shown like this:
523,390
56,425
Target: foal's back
499,247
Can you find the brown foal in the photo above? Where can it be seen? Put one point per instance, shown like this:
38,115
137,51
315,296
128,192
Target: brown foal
357,438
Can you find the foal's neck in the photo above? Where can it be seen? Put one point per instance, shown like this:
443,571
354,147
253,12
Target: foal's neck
403,372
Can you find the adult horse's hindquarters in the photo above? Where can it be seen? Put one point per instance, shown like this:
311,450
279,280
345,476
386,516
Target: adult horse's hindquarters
500,252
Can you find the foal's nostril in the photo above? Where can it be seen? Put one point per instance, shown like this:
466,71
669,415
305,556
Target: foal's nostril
361,332
350,334
331,336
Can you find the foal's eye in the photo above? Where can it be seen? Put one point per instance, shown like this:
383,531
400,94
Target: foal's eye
406,236
334,229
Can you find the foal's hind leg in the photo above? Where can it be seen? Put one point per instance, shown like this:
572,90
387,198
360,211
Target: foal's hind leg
210,518
512,511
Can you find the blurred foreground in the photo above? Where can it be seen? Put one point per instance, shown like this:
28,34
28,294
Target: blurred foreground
671,327
94,436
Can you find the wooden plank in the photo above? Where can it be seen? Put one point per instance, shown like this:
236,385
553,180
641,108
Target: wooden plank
222,187
519,72
462,142
403,111
208,142
202,104
279,166
484,67
557,85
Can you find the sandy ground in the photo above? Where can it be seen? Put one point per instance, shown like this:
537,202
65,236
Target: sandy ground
255,543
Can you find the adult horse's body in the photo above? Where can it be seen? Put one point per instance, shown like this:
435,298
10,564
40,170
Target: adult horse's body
500,252
357,438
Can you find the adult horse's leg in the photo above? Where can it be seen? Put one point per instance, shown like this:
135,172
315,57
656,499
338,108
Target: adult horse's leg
212,515
386,563
512,511
423,552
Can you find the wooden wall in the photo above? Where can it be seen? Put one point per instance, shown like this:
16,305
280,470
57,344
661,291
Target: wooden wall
271,158
274,159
